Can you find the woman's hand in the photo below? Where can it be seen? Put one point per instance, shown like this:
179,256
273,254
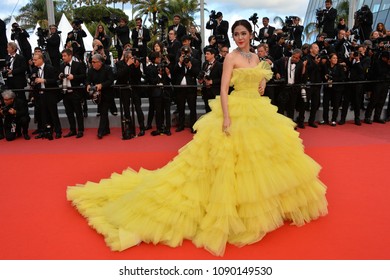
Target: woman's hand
262,86
226,125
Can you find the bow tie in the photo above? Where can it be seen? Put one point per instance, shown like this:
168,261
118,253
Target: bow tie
67,64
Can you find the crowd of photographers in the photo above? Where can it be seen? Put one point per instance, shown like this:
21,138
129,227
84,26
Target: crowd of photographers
335,71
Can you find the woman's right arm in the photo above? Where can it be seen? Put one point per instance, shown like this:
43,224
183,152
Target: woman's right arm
225,82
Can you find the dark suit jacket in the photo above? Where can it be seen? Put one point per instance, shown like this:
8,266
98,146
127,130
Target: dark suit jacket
18,79
215,75
146,38
191,75
53,48
78,71
281,67
270,31
329,22
105,77
152,78
181,31
220,31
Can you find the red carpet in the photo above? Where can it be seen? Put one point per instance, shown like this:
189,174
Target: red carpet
38,223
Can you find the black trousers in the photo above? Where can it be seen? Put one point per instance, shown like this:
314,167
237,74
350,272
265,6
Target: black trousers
314,93
12,125
162,107
151,111
104,123
49,111
331,95
207,94
377,101
290,99
186,95
353,94
72,102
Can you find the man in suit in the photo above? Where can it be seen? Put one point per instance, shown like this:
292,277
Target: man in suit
76,38
220,29
3,42
122,35
45,83
160,75
186,71
101,77
329,19
177,27
53,46
15,114
290,69
140,37
266,31
72,74
210,77
21,36
16,65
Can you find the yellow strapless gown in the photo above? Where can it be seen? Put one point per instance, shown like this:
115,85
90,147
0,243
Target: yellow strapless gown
219,189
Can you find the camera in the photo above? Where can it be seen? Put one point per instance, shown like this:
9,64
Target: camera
162,21
361,15
5,109
320,16
31,79
100,47
111,20
254,18
203,75
213,15
303,93
94,94
63,76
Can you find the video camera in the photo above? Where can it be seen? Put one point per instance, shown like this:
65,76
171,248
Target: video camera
320,16
254,18
213,15
111,20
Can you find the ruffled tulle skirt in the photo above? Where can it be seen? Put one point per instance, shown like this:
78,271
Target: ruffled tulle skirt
219,189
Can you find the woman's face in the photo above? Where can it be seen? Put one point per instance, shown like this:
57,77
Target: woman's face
333,60
100,28
241,36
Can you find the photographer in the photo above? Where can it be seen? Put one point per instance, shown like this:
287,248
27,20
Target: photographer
220,28
210,77
296,30
15,71
128,74
53,42
266,31
363,22
196,39
158,74
21,36
99,81
140,36
342,46
326,19
14,112
72,74
102,36
186,70
122,35
76,38
3,42
177,27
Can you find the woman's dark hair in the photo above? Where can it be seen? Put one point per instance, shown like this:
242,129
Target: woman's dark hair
160,44
244,23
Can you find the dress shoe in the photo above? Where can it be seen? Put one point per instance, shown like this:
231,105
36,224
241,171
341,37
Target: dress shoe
35,132
100,136
300,125
193,131
358,122
180,128
156,132
167,132
367,121
148,127
342,122
141,132
48,136
333,123
379,121
323,122
39,136
70,134
80,134
312,124
58,135
26,136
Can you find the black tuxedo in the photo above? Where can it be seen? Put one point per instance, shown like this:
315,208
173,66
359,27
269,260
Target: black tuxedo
296,35
73,97
53,49
18,78
186,94
143,48
76,37
313,75
290,97
212,72
160,96
220,31
328,22
21,119
270,32
180,30
48,98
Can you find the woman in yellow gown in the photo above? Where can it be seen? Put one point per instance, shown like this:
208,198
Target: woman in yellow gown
243,175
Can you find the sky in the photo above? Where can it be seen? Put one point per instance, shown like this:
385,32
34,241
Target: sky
231,9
